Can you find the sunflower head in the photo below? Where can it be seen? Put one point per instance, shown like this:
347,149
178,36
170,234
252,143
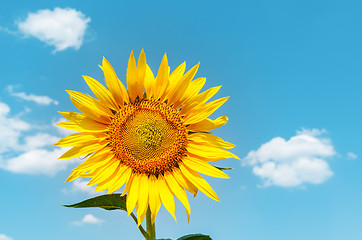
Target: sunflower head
152,138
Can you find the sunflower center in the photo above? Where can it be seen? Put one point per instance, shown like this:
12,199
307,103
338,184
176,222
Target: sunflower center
148,136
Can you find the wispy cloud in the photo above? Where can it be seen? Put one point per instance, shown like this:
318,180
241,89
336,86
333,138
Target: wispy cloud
79,185
37,162
62,27
22,152
4,237
290,163
11,128
351,155
41,100
7,30
88,219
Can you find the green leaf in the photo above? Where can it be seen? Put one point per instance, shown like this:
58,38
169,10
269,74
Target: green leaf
223,169
195,237
107,202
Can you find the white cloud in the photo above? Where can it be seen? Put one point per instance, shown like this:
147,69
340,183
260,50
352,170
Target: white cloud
38,161
80,185
289,163
11,128
38,140
88,219
62,28
21,152
4,237
41,100
7,30
351,155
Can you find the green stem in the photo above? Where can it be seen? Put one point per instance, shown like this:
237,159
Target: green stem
150,227
144,233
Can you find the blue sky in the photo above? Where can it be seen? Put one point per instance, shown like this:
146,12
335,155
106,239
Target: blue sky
292,70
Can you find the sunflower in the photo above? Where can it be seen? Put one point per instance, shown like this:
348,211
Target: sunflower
151,137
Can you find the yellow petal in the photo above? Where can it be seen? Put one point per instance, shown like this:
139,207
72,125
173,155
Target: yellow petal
199,182
200,113
114,85
174,79
176,75
120,180
79,139
198,100
97,159
91,112
203,167
86,125
128,184
90,173
208,124
79,122
97,171
154,198
206,159
141,69
205,96
107,171
208,138
132,195
108,182
74,175
162,79
179,192
90,102
209,151
180,88
193,89
81,151
184,182
166,196
101,92
149,82
142,203
132,78
73,116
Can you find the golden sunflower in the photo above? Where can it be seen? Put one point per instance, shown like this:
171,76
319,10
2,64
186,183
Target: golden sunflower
155,142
